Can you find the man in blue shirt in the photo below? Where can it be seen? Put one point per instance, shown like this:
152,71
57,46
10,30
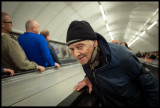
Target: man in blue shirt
35,45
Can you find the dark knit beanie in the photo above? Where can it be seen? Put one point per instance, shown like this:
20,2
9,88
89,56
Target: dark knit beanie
79,31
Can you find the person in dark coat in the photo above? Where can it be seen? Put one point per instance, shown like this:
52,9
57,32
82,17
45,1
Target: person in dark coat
46,34
113,72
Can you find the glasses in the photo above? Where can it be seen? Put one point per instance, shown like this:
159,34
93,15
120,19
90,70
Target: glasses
7,22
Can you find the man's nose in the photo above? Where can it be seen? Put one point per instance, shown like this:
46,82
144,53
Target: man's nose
76,53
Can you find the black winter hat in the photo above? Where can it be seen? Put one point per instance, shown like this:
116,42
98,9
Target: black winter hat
79,31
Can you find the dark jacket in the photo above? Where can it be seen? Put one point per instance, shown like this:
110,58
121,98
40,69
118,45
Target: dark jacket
117,80
53,53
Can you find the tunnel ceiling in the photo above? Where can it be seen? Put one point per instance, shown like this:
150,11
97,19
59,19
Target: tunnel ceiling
125,19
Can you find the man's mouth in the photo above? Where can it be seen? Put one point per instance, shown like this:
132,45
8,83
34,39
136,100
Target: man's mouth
81,57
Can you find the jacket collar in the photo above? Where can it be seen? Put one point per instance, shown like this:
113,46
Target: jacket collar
104,48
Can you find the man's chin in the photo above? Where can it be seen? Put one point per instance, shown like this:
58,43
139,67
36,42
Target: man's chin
82,62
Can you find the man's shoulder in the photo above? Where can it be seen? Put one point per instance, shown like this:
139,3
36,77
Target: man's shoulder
31,35
4,35
7,37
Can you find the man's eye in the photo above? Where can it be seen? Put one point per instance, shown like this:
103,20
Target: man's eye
80,47
71,49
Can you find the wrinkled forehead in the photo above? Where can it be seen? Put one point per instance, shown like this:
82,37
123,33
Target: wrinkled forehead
84,42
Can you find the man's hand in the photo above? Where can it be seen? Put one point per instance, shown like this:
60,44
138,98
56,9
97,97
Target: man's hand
82,84
9,70
57,65
41,68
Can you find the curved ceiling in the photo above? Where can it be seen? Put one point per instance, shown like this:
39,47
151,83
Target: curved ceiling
126,20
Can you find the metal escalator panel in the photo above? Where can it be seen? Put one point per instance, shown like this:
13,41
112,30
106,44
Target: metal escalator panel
47,88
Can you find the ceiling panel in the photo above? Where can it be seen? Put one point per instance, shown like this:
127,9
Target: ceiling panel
125,19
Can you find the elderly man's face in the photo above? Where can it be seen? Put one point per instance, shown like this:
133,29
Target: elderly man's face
82,50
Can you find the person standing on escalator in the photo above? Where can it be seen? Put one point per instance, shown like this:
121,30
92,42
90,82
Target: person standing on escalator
13,56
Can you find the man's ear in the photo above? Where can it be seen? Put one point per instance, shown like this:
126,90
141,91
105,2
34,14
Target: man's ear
95,43
34,29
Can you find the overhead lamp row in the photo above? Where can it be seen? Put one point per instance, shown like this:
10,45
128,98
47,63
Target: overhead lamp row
148,28
105,19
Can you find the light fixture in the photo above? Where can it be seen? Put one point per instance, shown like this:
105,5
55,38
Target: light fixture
111,35
108,28
133,41
152,25
102,11
149,27
105,19
147,21
142,33
155,12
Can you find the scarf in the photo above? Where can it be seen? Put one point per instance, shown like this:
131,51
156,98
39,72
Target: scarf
94,61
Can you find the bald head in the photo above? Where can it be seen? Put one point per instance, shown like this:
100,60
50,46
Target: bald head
32,26
115,41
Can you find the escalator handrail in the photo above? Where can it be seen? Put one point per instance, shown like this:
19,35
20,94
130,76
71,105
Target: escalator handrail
75,98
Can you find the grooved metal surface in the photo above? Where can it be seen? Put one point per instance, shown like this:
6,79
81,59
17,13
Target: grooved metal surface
41,89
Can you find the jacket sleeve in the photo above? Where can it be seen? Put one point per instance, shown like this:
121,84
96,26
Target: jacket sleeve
45,51
150,88
53,53
18,56
148,84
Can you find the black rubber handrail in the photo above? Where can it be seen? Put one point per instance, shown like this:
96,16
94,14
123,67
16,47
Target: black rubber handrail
7,74
81,98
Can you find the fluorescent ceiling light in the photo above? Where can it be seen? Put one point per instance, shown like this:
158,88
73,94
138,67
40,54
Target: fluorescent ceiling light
147,21
108,28
111,35
142,33
155,12
133,41
152,25
102,11
111,38
136,33
149,27
141,28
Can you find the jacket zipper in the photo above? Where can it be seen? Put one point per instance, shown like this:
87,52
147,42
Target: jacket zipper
96,80
97,84
94,76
